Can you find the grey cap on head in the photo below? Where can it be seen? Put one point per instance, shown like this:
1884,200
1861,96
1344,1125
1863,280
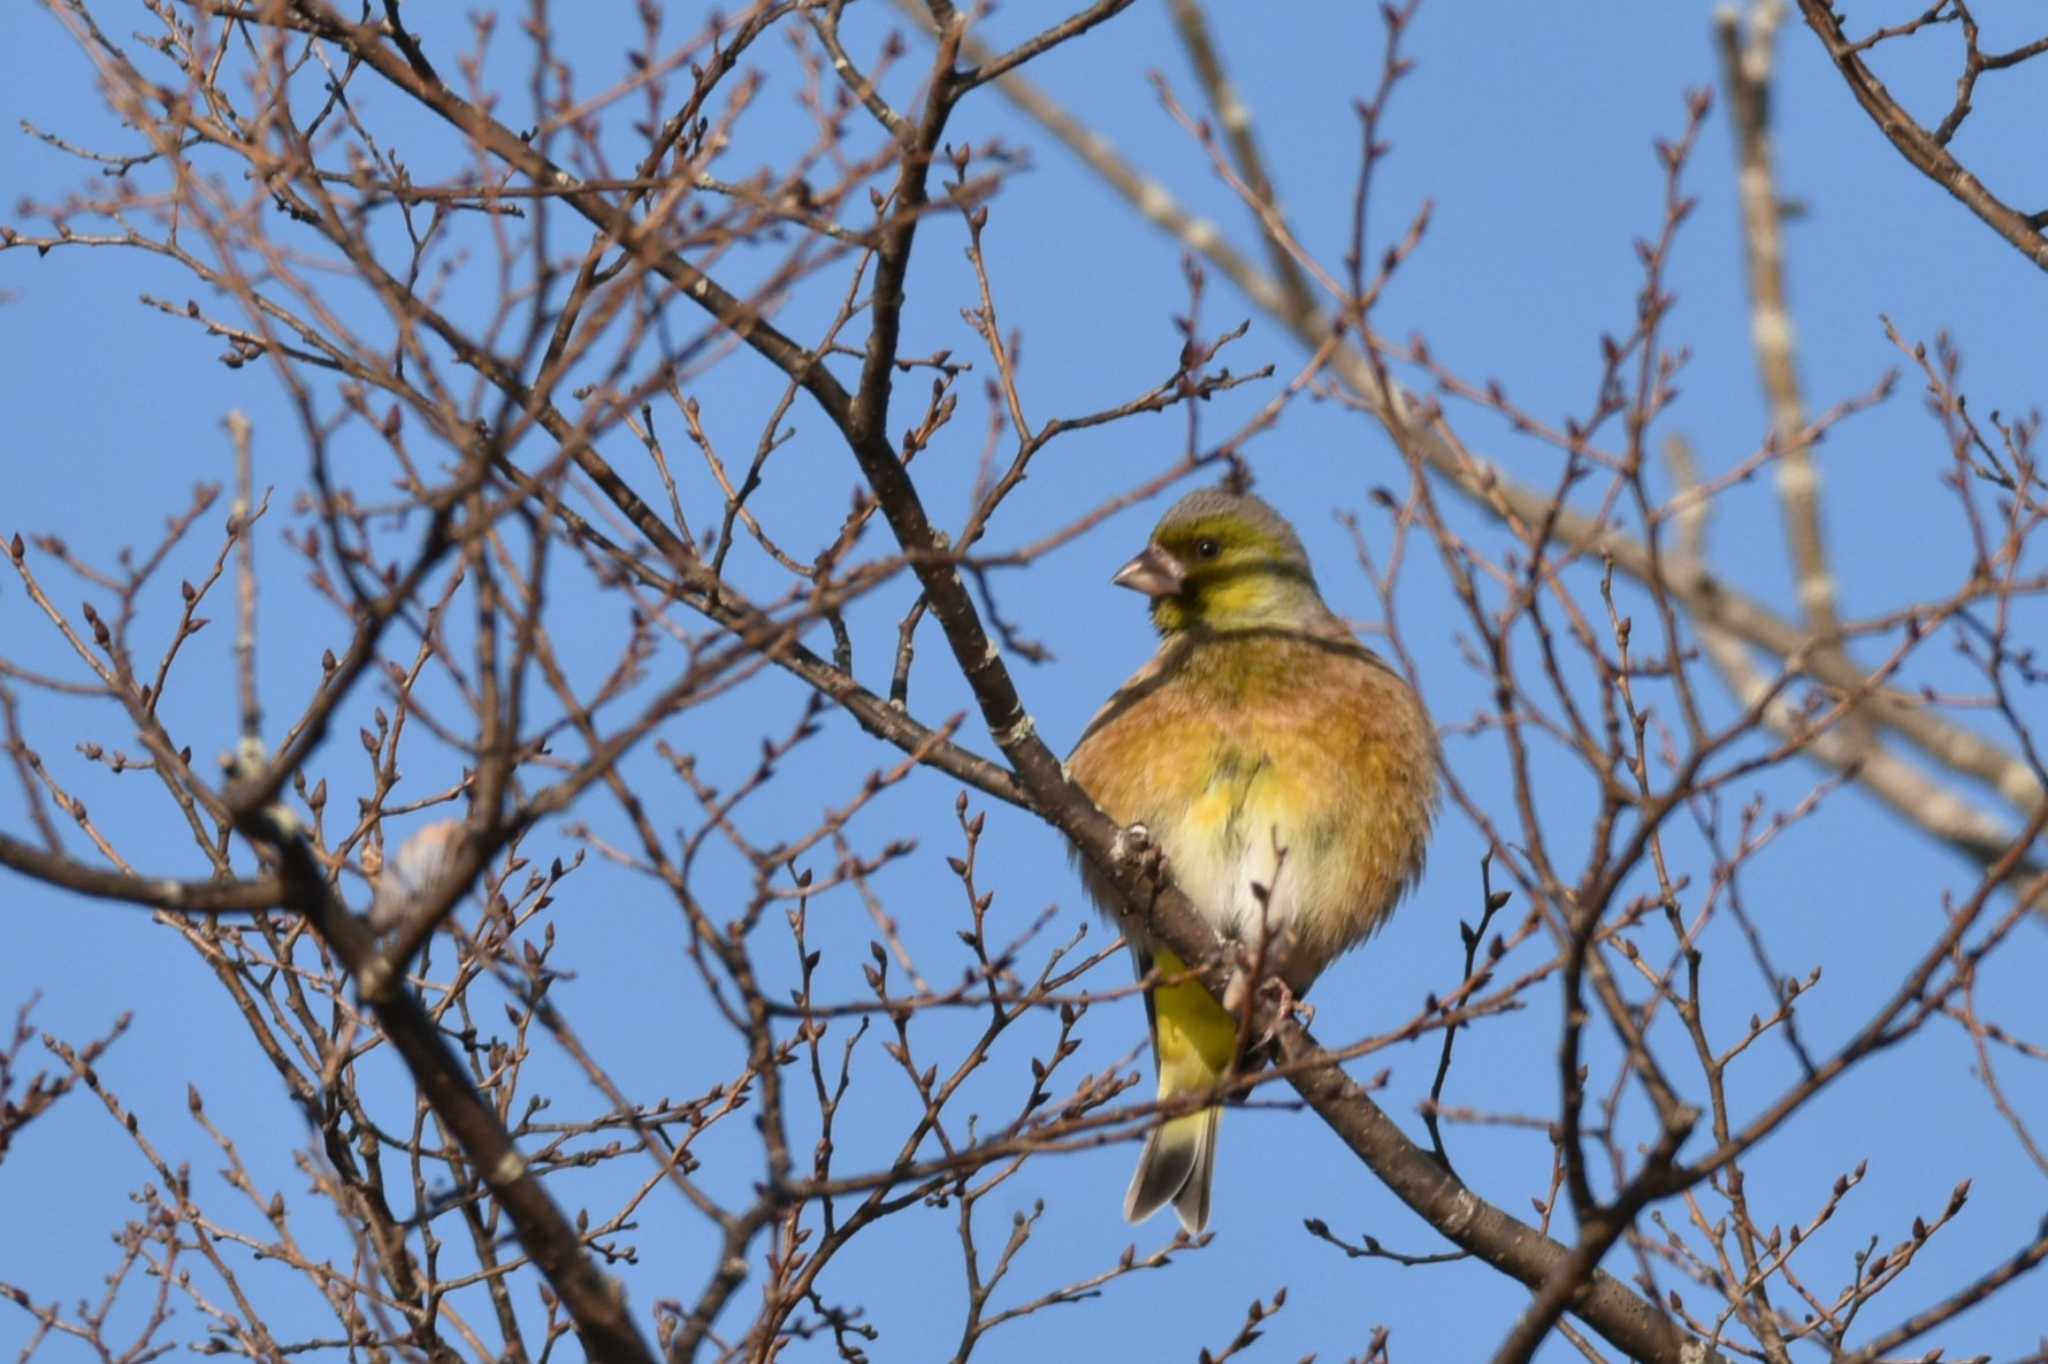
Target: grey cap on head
1221,501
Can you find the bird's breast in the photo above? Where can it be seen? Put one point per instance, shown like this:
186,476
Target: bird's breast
1252,842
1294,791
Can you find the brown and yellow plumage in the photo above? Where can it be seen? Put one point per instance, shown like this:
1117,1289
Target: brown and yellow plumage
1288,775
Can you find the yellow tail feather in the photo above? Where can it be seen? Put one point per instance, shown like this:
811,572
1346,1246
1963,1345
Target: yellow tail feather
1194,1040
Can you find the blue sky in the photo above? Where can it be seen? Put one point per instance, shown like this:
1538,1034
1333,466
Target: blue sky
1529,128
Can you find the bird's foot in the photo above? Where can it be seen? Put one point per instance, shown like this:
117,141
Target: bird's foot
1136,848
1272,1006
1288,1005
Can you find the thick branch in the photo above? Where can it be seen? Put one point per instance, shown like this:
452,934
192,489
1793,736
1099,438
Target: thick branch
1703,596
184,897
1920,147
594,1302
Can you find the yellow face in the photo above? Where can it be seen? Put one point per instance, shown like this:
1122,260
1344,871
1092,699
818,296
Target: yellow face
1224,563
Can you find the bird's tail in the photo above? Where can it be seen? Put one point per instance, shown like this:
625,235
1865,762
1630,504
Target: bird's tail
1195,1041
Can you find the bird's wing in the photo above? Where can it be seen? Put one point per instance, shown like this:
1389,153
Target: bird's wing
1157,672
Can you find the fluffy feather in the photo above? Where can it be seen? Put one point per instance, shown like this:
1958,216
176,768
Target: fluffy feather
1286,772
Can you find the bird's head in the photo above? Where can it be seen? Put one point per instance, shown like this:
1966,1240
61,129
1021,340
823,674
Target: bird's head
1222,560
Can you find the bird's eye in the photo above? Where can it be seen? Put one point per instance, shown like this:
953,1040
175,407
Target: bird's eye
1208,548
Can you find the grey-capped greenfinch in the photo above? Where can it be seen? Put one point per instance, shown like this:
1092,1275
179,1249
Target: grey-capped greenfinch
1285,771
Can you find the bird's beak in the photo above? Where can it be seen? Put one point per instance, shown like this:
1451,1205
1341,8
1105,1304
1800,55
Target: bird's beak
1155,573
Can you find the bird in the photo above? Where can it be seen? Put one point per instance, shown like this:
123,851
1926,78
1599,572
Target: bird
1286,773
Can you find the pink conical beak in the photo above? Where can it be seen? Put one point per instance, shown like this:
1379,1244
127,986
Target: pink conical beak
1155,573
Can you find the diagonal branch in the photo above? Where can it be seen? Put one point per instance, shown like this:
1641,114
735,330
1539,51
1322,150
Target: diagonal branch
183,897
1709,601
593,1301
1922,149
